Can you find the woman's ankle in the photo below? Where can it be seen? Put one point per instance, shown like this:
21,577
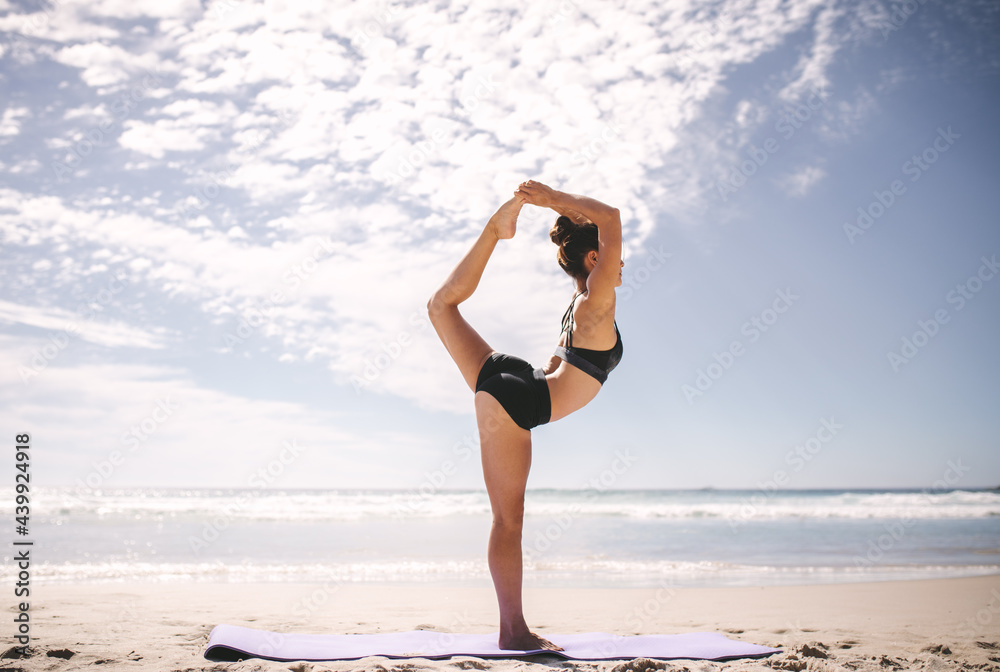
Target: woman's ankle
513,627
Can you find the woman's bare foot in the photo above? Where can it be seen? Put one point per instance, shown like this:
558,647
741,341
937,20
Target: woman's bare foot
504,221
527,641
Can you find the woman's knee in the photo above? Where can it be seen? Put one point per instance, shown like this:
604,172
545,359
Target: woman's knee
509,521
443,299
437,305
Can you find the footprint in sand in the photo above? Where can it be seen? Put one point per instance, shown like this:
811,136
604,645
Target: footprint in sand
816,651
645,665
895,664
790,664
60,653
15,652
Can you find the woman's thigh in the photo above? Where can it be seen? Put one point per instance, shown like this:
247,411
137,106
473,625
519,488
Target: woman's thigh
506,455
463,343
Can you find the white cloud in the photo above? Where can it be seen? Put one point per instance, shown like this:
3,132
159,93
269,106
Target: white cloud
194,123
130,9
10,124
91,112
26,166
845,117
813,67
62,26
799,182
83,326
305,129
164,428
185,134
105,65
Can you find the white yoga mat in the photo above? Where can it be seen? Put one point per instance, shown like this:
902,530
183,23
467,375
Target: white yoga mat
234,642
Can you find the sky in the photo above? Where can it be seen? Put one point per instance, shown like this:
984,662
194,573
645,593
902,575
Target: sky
221,223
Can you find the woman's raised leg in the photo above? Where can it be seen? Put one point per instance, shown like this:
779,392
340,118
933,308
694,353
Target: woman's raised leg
506,453
462,342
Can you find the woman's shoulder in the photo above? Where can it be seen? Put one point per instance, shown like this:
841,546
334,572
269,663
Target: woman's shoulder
595,308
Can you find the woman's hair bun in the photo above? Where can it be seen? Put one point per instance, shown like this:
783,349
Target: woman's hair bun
575,242
561,229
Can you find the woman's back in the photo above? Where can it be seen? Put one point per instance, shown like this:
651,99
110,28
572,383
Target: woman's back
578,372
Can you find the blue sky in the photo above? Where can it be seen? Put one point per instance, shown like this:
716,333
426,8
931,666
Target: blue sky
221,222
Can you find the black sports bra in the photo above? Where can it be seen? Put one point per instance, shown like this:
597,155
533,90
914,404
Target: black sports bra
597,363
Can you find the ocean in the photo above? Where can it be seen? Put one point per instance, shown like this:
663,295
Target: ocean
572,538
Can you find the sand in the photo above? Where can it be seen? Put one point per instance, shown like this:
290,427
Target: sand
949,624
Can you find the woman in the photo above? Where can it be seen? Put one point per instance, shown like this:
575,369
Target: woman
512,397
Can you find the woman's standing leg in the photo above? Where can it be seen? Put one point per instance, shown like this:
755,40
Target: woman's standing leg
506,453
506,447
462,342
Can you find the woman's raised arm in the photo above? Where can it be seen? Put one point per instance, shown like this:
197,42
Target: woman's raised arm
597,212
604,277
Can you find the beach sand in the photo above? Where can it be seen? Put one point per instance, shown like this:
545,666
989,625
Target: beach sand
948,624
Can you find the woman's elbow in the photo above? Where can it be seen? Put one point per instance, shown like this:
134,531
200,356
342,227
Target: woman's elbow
613,217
